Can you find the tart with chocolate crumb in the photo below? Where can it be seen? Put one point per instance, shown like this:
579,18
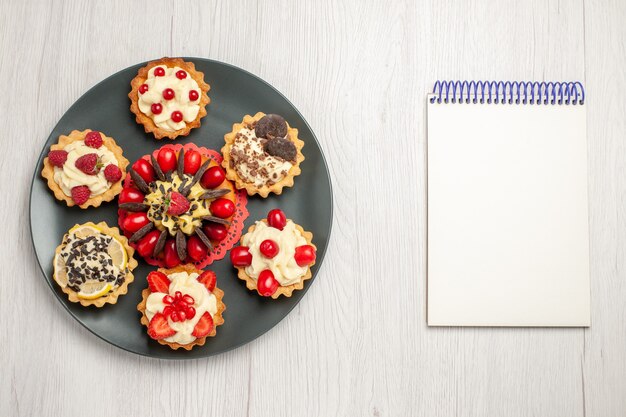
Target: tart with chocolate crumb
262,154
169,97
93,264
178,207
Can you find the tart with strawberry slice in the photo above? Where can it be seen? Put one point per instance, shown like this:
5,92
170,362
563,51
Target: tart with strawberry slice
169,97
275,256
177,207
181,306
93,264
262,154
85,168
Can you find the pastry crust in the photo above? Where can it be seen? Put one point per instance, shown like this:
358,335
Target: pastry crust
251,189
75,136
110,298
287,290
146,121
218,319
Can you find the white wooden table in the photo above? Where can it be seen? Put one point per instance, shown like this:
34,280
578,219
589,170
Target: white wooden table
357,344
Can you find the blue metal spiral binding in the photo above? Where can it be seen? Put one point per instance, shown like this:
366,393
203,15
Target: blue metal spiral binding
509,92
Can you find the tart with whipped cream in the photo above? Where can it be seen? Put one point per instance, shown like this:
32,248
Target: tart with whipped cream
93,264
181,306
178,207
85,168
275,256
169,97
262,154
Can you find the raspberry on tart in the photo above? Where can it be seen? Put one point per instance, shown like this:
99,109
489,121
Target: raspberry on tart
85,168
181,306
262,154
93,264
172,215
169,97
275,256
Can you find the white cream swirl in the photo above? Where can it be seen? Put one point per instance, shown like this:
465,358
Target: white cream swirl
69,176
283,265
180,102
203,301
253,164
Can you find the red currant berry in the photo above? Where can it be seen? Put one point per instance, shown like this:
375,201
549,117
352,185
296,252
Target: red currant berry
130,195
240,256
181,75
159,72
177,116
216,231
222,207
168,94
269,248
156,108
170,256
196,250
143,88
193,95
277,219
266,284
213,177
305,255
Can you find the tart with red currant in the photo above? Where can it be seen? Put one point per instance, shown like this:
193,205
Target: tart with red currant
262,154
177,207
169,97
93,264
181,306
85,168
275,256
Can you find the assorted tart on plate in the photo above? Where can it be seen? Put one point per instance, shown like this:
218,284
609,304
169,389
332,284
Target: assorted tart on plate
85,168
169,97
93,264
275,256
181,306
262,154
177,207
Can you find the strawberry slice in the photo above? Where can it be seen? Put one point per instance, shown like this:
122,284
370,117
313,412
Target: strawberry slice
208,279
204,326
158,282
159,328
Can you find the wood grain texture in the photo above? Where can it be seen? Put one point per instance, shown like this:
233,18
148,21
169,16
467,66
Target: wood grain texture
357,344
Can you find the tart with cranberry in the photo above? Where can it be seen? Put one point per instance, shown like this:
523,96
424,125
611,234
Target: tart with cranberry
85,168
275,256
93,264
169,97
177,207
181,306
262,154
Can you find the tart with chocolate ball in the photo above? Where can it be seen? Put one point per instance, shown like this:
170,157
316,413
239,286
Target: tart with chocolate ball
85,168
262,154
169,97
177,207
93,264
181,306
275,256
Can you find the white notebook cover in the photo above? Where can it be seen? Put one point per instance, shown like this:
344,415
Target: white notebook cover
508,240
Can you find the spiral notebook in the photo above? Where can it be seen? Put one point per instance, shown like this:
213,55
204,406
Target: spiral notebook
508,239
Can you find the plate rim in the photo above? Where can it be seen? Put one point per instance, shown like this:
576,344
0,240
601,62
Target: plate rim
180,357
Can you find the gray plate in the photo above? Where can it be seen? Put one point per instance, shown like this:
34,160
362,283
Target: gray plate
234,93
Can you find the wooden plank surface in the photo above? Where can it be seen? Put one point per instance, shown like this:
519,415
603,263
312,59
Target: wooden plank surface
357,344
